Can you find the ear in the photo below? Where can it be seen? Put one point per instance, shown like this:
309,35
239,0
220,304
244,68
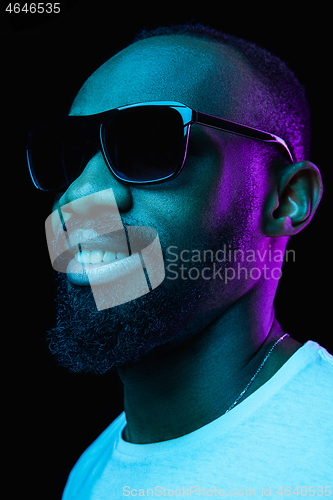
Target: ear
294,198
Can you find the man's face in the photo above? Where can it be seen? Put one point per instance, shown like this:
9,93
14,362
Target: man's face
216,202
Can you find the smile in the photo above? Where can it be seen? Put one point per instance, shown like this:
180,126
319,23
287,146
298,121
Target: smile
97,267
114,258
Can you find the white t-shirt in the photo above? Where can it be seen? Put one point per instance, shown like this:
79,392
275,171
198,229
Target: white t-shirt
278,442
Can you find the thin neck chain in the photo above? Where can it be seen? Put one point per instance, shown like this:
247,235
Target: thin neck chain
256,373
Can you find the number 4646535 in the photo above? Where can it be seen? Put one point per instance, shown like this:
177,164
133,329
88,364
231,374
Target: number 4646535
39,8
303,491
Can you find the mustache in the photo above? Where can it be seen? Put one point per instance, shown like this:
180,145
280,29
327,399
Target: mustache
97,221
97,224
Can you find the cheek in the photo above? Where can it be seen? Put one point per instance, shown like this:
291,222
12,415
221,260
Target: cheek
237,198
180,205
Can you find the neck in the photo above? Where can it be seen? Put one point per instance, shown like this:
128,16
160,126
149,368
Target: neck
178,391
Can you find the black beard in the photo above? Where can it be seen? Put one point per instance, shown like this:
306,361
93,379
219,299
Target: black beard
87,340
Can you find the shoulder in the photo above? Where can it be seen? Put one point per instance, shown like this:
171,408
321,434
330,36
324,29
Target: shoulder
93,458
311,385
320,364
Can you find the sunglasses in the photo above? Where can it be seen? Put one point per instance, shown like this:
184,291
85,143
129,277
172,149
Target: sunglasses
144,143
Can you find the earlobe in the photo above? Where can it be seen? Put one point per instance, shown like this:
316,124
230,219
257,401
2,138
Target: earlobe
296,196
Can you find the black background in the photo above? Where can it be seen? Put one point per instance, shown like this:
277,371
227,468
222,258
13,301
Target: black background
45,61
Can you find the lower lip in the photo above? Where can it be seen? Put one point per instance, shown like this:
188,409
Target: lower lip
97,274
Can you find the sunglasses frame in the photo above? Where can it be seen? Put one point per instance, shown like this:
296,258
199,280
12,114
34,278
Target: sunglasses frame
96,124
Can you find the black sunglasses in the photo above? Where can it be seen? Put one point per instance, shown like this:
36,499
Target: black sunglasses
142,143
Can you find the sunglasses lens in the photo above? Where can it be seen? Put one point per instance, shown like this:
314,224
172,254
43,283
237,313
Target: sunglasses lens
145,143
142,144
56,152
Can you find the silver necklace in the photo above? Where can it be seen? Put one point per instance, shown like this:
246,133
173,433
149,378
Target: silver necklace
256,373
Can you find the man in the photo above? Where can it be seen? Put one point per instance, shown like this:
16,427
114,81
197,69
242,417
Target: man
219,401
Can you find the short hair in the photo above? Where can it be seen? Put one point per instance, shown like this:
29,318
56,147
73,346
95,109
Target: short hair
289,116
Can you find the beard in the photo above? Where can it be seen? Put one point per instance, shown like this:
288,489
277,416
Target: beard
87,340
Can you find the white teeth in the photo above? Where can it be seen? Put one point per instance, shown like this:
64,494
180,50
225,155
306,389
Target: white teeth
83,257
122,255
109,256
97,256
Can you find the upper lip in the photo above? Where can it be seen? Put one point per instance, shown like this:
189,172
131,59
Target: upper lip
115,242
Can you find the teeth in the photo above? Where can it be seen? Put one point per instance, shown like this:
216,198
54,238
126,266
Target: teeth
97,256
83,257
109,256
122,255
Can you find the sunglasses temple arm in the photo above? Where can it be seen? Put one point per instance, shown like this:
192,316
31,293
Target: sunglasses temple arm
243,130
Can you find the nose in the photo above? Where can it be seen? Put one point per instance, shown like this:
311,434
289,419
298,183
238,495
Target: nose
95,180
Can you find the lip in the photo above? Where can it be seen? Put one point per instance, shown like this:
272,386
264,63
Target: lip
104,272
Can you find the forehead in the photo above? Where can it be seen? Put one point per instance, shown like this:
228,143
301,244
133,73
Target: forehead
200,73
